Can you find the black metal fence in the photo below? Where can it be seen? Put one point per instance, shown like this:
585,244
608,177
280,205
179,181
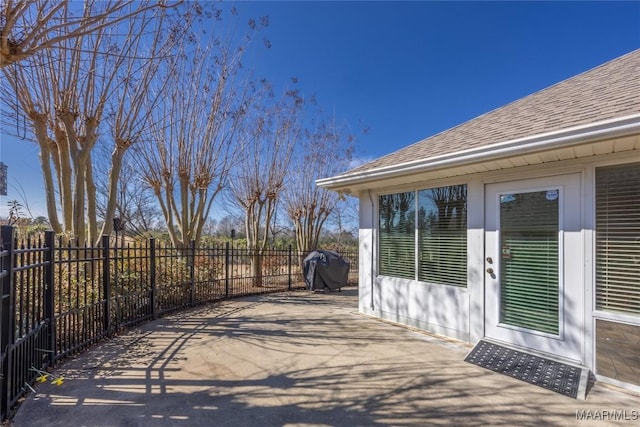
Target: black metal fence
58,300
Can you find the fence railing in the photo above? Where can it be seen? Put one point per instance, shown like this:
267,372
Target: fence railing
58,300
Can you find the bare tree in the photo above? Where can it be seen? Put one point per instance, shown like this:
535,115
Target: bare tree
228,224
258,180
192,144
29,26
325,151
65,93
136,205
345,219
210,226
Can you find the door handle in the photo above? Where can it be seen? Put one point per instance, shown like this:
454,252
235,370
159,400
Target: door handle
490,270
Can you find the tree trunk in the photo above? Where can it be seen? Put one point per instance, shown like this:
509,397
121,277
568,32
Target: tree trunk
256,268
64,178
114,173
45,157
92,216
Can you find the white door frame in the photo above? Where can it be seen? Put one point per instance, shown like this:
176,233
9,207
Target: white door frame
569,342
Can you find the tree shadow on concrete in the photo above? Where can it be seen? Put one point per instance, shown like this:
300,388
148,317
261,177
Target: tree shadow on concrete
297,359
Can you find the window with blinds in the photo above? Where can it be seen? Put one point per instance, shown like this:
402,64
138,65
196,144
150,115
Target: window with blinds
442,235
618,238
396,242
433,220
529,268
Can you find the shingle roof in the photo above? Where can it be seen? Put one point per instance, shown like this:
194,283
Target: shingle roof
611,90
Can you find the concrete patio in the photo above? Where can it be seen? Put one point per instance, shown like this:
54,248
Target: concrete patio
297,359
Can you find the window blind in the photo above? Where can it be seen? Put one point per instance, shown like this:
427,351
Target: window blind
529,260
618,238
396,242
442,221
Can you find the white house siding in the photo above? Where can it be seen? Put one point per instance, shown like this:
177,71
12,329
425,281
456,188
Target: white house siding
440,309
367,258
459,312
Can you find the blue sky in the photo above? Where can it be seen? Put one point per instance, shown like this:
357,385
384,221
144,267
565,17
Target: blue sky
408,70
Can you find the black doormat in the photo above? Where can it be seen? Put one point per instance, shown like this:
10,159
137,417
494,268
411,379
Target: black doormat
549,374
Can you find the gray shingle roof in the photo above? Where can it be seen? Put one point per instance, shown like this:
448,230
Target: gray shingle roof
611,90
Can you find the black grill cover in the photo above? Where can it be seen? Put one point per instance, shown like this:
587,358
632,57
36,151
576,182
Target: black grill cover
325,270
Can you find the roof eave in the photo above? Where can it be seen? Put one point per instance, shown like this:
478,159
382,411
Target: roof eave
605,129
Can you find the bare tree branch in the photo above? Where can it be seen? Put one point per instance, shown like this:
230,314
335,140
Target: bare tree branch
27,27
326,149
192,143
259,178
66,91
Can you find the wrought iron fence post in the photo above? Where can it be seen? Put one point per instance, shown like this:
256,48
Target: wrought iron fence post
289,267
226,269
49,259
106,284
192,273
8,295
7,315
116,285
152,275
